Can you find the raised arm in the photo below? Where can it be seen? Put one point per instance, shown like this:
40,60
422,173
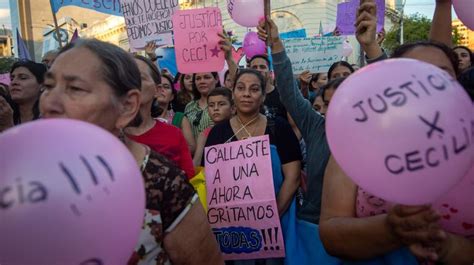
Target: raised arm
310,123
366,30
226,46
441,29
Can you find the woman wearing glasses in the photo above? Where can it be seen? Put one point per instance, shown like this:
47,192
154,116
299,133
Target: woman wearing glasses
165,96
196,110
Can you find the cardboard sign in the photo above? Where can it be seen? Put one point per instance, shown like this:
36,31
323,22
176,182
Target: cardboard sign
111,7
313,54
196,40
242,207
347,13
149,21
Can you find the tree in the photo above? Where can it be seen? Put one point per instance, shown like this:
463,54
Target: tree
415,28
6,64
457,37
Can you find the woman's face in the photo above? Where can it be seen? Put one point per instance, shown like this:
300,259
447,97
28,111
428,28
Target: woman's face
433,56
188,83
205,82
340,71
228,82
149,88
248,95
24,87
165,92
464,58
322,80
76,89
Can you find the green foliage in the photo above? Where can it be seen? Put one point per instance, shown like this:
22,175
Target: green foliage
456,37
416,28
6,63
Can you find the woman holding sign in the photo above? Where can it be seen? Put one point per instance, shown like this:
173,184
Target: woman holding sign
196,110
249,95
100,83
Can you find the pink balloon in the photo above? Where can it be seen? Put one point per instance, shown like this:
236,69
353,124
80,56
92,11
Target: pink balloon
70,192
465,9
401,130
253,45
457,207
246,13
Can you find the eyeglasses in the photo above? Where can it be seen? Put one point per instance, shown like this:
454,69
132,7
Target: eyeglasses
198,118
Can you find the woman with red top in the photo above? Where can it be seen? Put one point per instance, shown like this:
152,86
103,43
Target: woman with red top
161,137
164,97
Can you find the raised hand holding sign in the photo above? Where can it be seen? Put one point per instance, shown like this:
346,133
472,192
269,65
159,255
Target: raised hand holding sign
70,193
406,139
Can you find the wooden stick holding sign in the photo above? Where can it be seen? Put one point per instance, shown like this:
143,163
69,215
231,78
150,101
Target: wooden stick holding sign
268,10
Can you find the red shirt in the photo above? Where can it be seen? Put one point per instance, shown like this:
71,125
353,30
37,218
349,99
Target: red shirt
168,141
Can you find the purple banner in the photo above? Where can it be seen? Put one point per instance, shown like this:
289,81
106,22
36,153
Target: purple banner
347,12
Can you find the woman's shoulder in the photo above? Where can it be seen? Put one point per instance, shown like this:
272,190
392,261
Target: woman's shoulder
159,170
219,133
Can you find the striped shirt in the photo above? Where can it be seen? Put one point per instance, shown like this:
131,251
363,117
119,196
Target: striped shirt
199,118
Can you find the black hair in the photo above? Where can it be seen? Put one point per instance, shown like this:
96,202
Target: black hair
403,49
471,54
221,91
314,78
466,79
196,93
333,84
260,77
154,71
37,69
260,56
340,63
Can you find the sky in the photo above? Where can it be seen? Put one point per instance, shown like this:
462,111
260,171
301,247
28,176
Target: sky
425,7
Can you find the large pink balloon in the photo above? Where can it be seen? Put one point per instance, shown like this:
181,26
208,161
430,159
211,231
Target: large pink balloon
465,10
253,45
246,13
457,207
401,129
70,192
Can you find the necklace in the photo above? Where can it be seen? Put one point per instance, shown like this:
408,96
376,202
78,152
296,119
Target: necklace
244,127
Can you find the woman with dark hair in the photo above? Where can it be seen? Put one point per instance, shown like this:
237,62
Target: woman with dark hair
162,110
372,227
317,81
185,93
100,83
25,88
249,95
465,57
340,69
196,111
163,138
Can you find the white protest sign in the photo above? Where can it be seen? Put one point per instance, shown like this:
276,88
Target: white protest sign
149,21
313,54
